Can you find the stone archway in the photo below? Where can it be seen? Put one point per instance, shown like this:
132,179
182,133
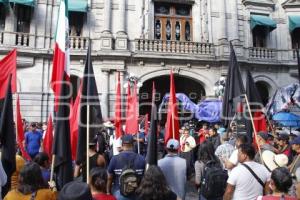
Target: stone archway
192,88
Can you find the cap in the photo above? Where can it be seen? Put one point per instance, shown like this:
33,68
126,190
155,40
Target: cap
173,144
127,139
284,137
263,135
221,131
75,190
296,140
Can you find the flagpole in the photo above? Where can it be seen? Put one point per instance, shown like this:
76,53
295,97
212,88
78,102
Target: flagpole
87,144
52,168
253,126
138,142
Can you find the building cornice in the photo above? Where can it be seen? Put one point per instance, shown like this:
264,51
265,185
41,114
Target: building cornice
259,3
176,1
291,4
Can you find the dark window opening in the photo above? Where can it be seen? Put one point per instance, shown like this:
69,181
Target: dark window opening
259,36
296,38
2,17
76,23
23,18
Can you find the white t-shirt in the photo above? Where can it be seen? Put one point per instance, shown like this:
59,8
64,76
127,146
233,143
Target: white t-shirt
246,185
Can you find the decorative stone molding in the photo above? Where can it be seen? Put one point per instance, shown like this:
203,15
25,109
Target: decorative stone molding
259,3
177,1
291,4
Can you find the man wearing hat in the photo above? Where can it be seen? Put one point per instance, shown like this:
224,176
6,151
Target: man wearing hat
262,138
296,160
119,162
283,144
272,161
174,169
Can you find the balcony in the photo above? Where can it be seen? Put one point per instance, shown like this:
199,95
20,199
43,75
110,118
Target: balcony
15,39
177,47
79,43
262,54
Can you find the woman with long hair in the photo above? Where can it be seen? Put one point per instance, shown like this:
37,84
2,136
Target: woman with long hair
154,186
98,182
31,185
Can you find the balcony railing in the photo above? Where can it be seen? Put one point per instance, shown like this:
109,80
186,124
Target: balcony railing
262,53
79,43
144,45
22,39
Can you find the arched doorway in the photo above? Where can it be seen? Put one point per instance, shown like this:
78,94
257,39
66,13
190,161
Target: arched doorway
193,89
263,89
75,81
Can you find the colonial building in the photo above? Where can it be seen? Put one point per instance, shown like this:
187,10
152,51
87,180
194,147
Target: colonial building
144,39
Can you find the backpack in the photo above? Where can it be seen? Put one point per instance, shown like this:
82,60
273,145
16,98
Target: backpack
129,180
214,181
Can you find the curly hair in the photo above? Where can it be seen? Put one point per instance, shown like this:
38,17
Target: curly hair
153,185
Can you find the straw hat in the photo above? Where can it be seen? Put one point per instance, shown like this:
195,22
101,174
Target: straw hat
272,161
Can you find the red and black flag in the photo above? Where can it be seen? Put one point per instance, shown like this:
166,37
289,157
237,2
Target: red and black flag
234,87
152,144
7,137
89,96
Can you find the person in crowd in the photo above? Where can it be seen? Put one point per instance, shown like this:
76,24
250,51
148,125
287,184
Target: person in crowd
224,151
187,144
174,169
119,162
139,142
3,178
272,160
214,137
262,138
31,185
281,181
160,141
96,160
154,186
203,133
98,182
205,155
283,144
296,160
233,159
42,159
75,190
248,180
33,141
20,162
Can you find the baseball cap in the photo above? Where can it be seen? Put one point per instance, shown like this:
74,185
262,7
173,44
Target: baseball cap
127,139
296,140
173,144
263,135
283,137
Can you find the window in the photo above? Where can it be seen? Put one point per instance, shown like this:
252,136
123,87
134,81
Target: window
75,23
173,22
296,38
23,18
2,17
259,37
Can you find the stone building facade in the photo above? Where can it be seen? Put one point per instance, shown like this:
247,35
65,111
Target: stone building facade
147,38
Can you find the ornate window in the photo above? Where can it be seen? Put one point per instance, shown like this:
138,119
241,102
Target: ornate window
76,23
173,22
259,37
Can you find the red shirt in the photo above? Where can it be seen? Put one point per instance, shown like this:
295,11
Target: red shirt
104,197
202,134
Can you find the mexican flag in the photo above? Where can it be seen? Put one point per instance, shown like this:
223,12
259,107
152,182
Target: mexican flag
61,56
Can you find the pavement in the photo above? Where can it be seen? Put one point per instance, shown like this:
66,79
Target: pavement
191,191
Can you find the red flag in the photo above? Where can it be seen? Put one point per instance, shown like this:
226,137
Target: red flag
132,117
48,140
146,124
260,122
128,109
20,131
8,65
118,123
172,125
74,118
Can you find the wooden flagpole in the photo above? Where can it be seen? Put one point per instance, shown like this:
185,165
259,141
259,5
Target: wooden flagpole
253,126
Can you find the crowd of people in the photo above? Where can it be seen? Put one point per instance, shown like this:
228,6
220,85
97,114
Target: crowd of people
222,164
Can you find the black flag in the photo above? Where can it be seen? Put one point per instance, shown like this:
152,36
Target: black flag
89,96
298,59
8,138
254,99
62,144
152,144
234,88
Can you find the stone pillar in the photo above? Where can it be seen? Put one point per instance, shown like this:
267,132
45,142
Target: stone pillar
222,25
105,93
235,22
121,38
9,38
106,36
